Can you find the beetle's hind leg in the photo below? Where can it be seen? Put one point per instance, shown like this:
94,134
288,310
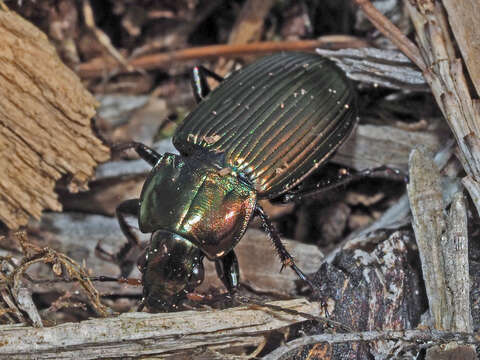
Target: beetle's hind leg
199,82
146,153
124,260
344,178
285,257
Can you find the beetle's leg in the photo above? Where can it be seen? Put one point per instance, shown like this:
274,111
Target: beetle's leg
199,82
285,257
145,152
343,179
141,305
228,271
128,207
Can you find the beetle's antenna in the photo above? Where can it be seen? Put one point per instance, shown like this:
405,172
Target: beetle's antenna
101,278
121,280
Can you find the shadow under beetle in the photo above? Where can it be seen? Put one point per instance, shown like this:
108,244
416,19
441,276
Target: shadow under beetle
256,136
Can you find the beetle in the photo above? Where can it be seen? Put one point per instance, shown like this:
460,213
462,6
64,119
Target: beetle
258,135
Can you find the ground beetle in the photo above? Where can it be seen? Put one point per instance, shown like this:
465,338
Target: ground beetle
256,136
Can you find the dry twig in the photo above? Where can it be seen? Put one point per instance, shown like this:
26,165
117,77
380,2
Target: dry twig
61,264
101,37
99,67
424,338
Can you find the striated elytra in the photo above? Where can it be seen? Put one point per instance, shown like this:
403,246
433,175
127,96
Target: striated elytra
275,120
256,136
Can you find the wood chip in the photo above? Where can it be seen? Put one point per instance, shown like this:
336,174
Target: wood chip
443,247
378,67
44,124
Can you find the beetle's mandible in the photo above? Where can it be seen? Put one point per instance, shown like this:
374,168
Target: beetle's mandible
256,136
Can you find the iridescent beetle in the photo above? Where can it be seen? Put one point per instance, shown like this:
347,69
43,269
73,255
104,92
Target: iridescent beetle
258,135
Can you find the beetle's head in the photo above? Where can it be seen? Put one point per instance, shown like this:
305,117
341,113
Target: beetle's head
171,267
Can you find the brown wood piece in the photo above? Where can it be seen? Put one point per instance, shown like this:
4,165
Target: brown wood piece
99,66
45,129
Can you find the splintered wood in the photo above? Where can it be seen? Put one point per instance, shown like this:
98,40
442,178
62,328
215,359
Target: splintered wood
443,247
463,18
45,129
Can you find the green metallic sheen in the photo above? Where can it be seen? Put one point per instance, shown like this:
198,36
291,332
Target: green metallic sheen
190,197
257,135
276,120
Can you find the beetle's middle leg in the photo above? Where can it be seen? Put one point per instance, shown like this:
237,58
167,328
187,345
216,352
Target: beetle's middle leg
199,82
122,257
285,257
343,179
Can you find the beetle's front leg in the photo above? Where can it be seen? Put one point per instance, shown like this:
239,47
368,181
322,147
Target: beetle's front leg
146,153
344,178
199,82
124,260
228,271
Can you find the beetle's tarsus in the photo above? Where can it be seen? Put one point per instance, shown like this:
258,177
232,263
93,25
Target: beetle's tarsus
98,133
324,305
104,254
128,207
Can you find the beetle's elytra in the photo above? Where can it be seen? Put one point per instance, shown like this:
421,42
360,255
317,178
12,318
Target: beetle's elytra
275,120
257,135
